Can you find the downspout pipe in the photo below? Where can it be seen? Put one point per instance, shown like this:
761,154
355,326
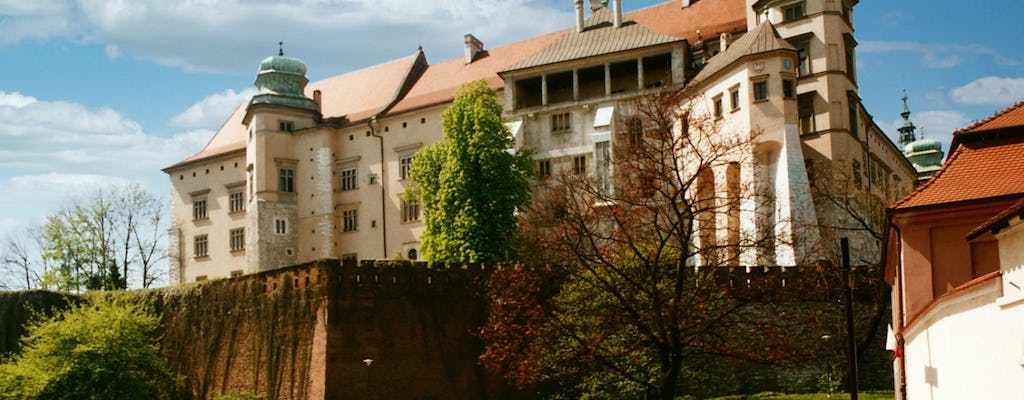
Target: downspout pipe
901,390
372,124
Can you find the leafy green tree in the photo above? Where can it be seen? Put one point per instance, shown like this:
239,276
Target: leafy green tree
105,348
470,183
101,241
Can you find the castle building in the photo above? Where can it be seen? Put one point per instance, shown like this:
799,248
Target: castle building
925,154
311,170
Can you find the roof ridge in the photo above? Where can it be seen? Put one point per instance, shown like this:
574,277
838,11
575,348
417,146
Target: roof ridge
949,161
990,118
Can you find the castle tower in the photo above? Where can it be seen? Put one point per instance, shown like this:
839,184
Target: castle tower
273,118
907,129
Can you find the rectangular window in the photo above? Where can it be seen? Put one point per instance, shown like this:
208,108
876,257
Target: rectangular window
544,168
803,51
286,180
349,220
636,131
734,98
853,119
404,165
788,88
851,64
348,179
280,226
201,246
237,239
410,211
579,164
760,90
805,109
603,167
718,106
561,123
793,11
236,200
199,208
285,126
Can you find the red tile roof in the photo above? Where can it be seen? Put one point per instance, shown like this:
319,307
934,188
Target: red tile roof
999,221
439,82
359,94
1010,117
975,170
710,17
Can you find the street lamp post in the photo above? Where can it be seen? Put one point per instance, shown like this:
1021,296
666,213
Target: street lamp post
369,378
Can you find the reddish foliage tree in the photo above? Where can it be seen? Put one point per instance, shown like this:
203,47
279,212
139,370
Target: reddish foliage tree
645,249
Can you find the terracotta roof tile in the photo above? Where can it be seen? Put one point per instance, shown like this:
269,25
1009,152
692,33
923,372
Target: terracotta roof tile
1010,117
974,171
999,221
356,95
710,17
439,82
599,37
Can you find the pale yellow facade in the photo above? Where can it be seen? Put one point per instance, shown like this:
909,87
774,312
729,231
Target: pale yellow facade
346,167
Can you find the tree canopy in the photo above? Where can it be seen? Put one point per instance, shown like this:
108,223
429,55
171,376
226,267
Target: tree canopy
471,183
103,348
639,248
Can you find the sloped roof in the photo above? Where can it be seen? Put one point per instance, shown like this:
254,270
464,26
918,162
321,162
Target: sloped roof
359,94
598,37
762,39
355,95
999,221
440,81
977,169
710,17
1012,116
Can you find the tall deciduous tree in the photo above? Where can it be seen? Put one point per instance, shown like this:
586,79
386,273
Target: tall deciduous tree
642,247
470,183
104,240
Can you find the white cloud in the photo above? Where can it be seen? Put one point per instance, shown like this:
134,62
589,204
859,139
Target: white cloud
224,35
990,90
210,112
20,20
50,150
935,55
15,99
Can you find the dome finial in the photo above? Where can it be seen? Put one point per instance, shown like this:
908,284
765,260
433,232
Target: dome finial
280,48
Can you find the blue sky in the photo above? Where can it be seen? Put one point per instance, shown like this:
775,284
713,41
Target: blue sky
101,91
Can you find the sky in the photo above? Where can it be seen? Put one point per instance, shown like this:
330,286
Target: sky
94,92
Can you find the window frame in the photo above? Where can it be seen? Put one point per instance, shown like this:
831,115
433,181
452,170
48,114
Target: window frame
236,239
734,98
410,210
280,226
561,122
236,200
350,220
405,166
348,179
200,209
760,90
718,106
201,246
286,180
799,8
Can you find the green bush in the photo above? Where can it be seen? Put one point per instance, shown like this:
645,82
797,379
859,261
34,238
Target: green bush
105,348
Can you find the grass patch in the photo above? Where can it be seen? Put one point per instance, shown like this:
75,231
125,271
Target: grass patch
872,395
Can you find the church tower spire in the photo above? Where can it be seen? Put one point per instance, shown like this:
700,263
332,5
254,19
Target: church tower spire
907,129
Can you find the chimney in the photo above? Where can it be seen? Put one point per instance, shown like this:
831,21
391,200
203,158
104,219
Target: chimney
318,99
685,3
597,5
579,15
618,13
723,41
473,48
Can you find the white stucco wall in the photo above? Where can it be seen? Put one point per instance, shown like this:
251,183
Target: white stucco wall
969,345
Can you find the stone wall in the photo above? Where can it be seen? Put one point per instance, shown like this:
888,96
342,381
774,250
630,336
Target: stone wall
303,332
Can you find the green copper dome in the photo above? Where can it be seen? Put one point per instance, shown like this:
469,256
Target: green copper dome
282,81
922,145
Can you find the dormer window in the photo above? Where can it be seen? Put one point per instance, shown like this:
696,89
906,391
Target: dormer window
285,126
